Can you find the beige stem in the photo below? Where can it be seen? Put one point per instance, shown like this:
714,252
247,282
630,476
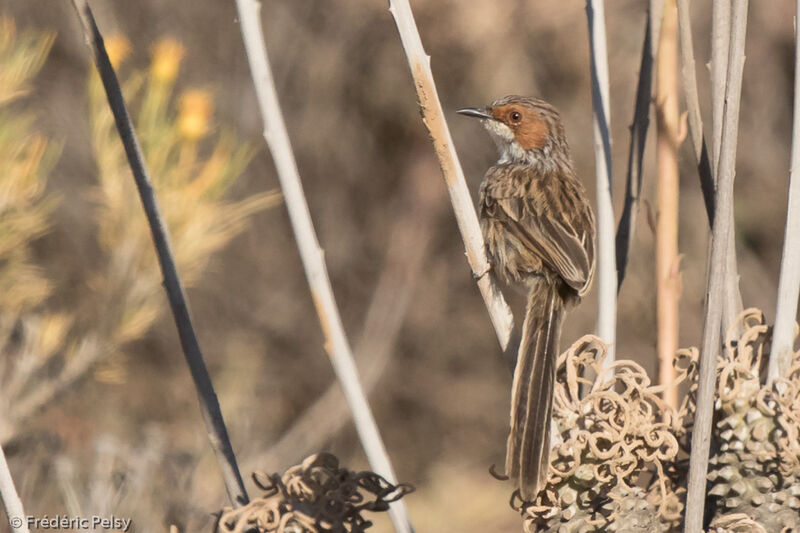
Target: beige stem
668,280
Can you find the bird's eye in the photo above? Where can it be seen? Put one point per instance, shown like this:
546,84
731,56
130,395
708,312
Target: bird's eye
515,116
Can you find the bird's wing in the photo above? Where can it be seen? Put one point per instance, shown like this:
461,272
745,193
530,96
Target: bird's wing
553,222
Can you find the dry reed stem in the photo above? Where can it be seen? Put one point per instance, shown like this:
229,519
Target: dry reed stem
656,9
668,277
780,356
708,169
720,48
15,514
410,237
209,405
433,118
633,179
312,256
601,120
720,44
720,239
693,108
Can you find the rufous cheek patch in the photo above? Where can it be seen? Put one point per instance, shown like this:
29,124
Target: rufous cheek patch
532,134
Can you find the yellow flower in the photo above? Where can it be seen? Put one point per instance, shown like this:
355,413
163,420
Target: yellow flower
117,47
166,58
194,113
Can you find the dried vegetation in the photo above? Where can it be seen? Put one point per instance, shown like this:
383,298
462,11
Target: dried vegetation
622,455
622,461
315,496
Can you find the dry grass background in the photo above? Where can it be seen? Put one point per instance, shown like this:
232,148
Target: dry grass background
349,106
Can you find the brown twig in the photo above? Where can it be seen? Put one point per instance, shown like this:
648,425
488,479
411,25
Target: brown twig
312,256
433,118
633,179
668,279
601,120
720,238
209,405
780,356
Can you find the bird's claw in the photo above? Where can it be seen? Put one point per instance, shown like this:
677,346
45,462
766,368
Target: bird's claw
478,275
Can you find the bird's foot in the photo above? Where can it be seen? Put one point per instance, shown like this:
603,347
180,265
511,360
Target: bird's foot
478,275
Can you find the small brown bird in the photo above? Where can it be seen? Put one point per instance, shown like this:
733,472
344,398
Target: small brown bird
539,230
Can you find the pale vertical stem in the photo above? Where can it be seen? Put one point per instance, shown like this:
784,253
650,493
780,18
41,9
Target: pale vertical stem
720,48
780,356
467,219
720,44
206,395
720,238
11,502
667,262
693,108
606,256
732,299
656,9
312,256
403,266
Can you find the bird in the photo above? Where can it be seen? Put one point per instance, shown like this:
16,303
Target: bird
539,230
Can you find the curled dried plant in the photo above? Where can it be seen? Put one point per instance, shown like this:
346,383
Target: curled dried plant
315,496
620,463
754,473
618,444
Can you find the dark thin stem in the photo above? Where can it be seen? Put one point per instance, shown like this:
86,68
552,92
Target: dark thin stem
209,405
641,121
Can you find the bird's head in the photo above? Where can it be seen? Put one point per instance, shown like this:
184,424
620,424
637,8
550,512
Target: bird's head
526,130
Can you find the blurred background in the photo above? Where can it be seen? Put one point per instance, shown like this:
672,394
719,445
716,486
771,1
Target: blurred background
99,414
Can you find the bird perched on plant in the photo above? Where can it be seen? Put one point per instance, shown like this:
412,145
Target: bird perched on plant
539,230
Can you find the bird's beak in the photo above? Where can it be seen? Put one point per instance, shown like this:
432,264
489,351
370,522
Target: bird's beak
474,112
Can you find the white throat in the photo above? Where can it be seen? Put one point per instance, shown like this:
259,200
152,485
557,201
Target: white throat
509,149
545,159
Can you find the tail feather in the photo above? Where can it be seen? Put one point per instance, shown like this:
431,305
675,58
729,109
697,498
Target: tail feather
528,448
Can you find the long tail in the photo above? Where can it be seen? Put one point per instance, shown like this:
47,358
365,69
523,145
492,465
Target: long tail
528,448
